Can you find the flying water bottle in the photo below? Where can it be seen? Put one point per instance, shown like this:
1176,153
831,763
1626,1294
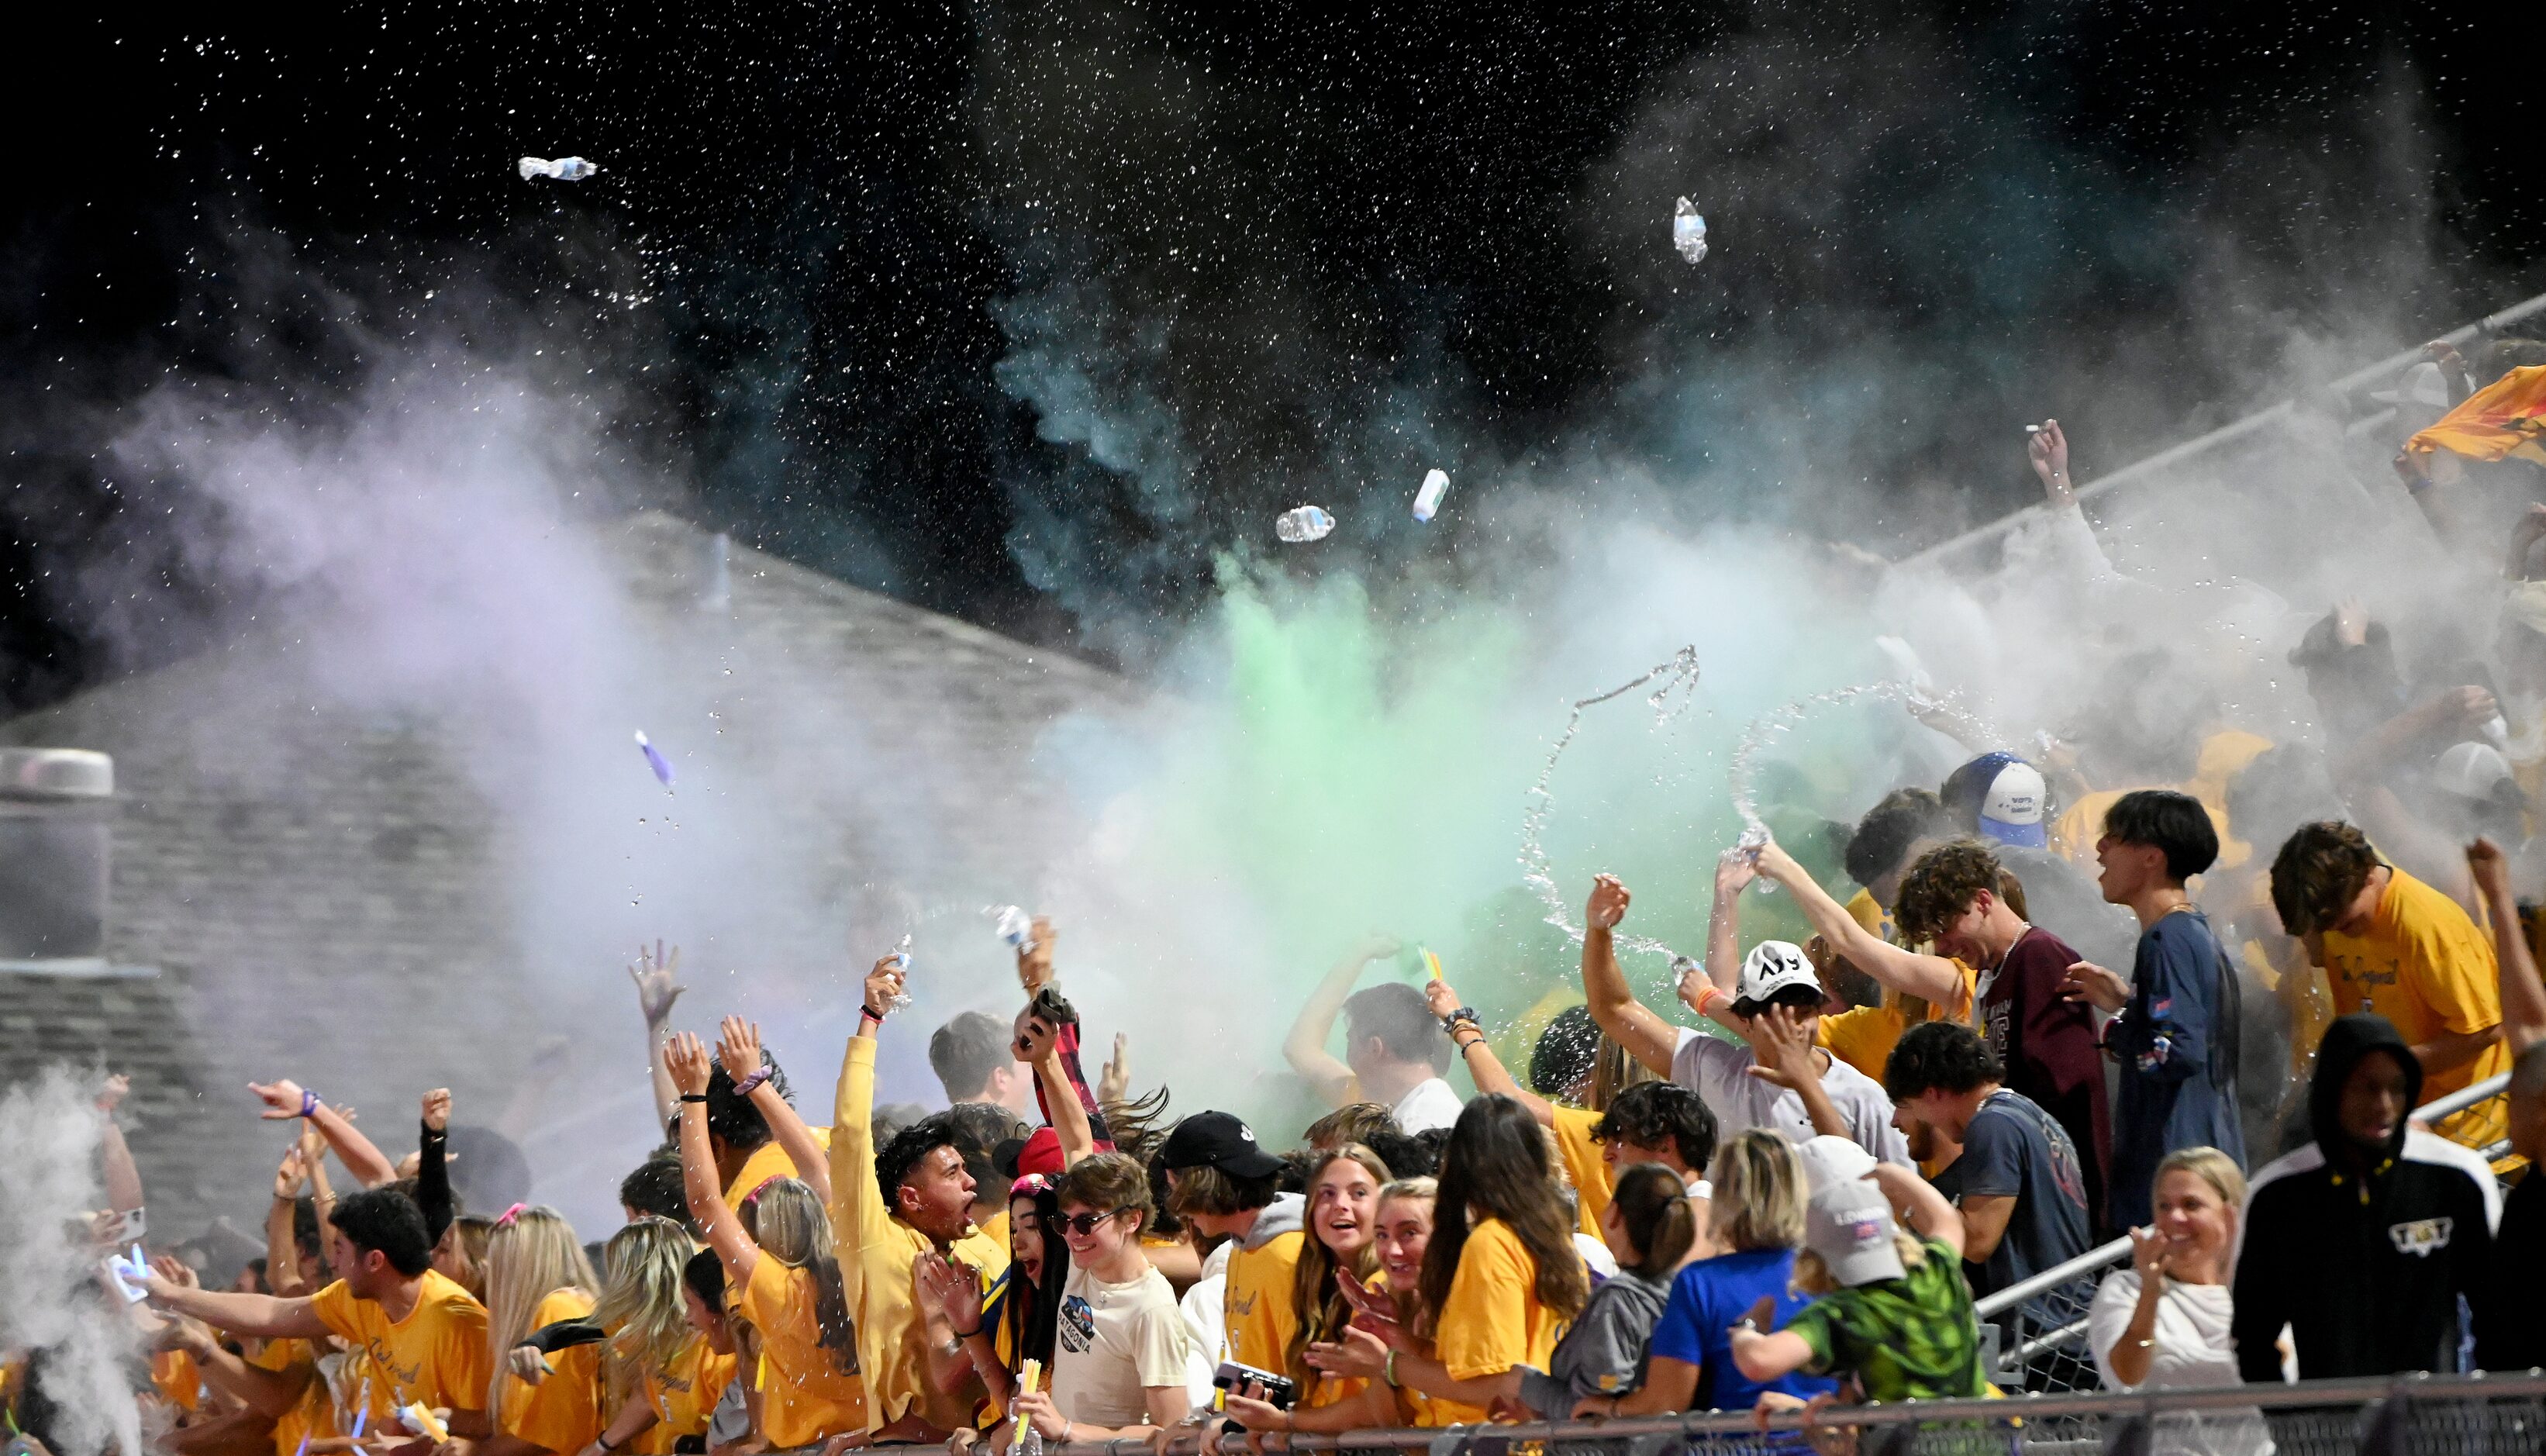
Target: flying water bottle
1688,231
900,1000
1303,523
564,169
1437,483
1016,927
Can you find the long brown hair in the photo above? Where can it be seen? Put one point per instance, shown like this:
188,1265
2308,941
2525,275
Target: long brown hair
1322,1308
1496,1167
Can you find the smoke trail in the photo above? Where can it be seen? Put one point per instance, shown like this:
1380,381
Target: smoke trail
50,1297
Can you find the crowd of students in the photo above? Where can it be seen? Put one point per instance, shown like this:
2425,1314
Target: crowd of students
1796,1203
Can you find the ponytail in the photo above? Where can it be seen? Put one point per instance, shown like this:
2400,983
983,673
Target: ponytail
1653,1204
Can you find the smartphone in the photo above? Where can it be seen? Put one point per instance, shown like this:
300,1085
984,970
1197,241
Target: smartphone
116,1230
1232,1377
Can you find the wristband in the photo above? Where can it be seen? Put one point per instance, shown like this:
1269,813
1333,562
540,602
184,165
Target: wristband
968,1333
1388,1372
871,1013
751,1084
309,1103
694,1097
1706,998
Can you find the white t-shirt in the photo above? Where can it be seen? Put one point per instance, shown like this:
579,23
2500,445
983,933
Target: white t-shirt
1718,1069
2193,1351
1112,1342
1430,1104
1206,1333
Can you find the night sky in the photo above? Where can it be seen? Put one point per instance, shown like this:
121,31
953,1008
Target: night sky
1023,312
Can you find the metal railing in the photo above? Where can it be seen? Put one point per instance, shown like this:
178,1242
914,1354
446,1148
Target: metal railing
2034,1330
2419,1412
2280,416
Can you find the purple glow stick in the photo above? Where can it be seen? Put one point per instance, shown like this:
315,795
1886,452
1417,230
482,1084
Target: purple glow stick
663,766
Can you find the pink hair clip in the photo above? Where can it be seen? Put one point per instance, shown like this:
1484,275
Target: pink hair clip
510,1214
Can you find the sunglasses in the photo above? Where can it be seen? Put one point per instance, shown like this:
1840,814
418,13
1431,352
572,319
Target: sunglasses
1086,1224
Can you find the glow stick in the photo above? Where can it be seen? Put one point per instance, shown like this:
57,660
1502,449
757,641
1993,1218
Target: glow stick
1026,1379
1432,962
421,1416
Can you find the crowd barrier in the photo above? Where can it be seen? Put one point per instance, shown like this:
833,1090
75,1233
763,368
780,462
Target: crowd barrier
2478,1415
2033,1333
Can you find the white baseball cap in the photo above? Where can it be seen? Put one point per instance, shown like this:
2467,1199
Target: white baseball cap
1829,1158
1771,966
2420,384
2013,806
2471,770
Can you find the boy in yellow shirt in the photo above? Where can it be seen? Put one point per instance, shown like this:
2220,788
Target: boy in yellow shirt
1221,1181
2393,945
425,1333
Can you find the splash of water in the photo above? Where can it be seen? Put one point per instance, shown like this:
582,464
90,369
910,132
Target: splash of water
1927,703
1679,676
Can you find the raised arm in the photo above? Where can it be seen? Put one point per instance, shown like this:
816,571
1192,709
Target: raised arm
740,1050
282,1243
260,1315
1629,1022
269,1393
657,987
1735,869
2523,998
285,1099
687,1059
1306,1047
433,1163
114,1156
859,1215
1039,1045
1788,1059
1485,1069
1919,1205
1932,979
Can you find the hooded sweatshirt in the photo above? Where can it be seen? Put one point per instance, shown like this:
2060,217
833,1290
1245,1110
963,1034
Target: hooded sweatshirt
1257,1312
2362,1252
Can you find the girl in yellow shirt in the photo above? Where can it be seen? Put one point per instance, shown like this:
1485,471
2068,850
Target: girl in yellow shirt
1342,1281
536,1276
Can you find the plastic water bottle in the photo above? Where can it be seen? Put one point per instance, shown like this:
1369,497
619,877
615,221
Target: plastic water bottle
564,169
1437,483
1303,523
1016,927
900,1000
1688,231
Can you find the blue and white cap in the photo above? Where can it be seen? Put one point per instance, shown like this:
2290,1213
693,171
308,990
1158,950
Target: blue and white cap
2008,796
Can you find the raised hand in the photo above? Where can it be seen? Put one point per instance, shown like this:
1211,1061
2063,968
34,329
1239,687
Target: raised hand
2048,449
282,1099
656,988
2088,982
1114,1082
1608,902
884,982
110,1093
1786,1049
739,1048
1440,997
2147,1257
437,1109
291,1176
951,1286
1735,869
2489,868
1034,958
686,1058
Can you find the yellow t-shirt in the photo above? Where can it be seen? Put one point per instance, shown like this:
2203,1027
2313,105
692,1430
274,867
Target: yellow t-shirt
557,1304
876,1251
2425,966
1256,1307
437,1355
684,1397
175,1375
1864,1036
1493,1319
767,1161
312,1408
2224,755
807,1395
1583,1163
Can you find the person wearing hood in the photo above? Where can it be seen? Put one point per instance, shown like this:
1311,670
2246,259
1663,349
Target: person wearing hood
2362,1241
1221,1181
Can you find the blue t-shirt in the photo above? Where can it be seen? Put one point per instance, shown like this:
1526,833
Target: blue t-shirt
2176,1042
1697,1326
2015,1149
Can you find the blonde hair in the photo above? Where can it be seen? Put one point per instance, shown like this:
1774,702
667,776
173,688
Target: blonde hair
468,1235
642,1310
1614,1070
2211,1166
786,1218
1812,1276
530,1255
1759,1191
1426,1191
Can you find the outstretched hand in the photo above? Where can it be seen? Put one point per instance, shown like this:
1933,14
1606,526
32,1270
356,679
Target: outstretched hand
1034,958
1608,903
2103,989
656,988
282,1099
1735,869
2048,449
739,1048
685,1056
1114,1080
437,1109
884,983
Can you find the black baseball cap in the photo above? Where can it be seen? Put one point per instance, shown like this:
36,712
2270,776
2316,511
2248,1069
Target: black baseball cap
1218,1139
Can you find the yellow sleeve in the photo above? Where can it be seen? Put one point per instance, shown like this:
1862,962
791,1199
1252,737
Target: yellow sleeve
564,1412
1862,1036
1866,913
1583,1161
460,1359
2452,968
859,1219
335,1307
1485,1322
1256,1303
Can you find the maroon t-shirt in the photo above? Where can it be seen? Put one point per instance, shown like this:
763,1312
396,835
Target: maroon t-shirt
2048,1047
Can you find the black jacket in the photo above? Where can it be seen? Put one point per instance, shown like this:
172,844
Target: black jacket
2365,1266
